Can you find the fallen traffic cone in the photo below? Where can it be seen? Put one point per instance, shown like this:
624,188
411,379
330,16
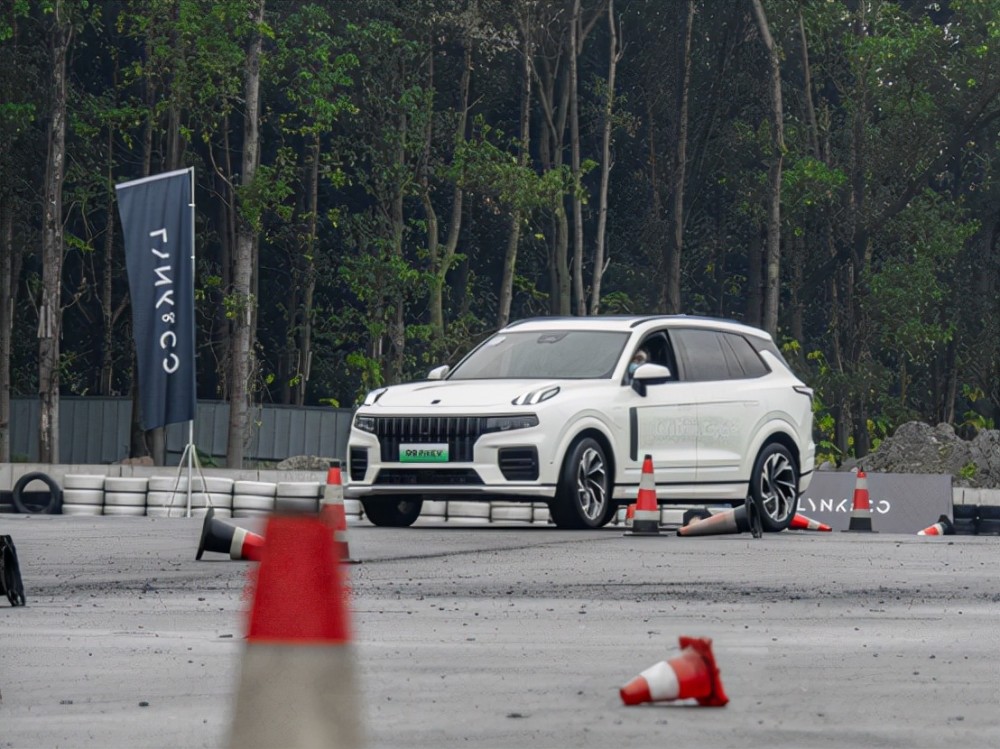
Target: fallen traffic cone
694,515
943,527
331,510
861,513
802,523
690,675
646,519
297,684
238,543
736,520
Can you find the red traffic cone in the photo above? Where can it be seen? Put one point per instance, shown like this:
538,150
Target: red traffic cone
943,527
297,685
861,513
731,521
802,523
690,675
629,515
646,519
238,543
331,510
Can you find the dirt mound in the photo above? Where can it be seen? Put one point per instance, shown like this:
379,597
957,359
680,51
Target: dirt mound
916,447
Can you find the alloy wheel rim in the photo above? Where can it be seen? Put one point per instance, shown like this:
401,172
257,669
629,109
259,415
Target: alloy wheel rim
777,487
591,483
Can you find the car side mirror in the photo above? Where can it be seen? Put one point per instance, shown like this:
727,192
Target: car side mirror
438,373
649,374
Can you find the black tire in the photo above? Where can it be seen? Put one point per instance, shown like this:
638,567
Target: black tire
774,487
583,497
51,507
393,512
987,527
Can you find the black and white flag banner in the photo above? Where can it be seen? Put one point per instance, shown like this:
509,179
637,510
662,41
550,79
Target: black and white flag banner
158,225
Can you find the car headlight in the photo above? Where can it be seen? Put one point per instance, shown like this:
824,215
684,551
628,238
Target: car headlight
506,423
535,396
365,423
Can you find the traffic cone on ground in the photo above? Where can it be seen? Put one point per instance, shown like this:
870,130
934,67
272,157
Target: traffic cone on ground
297,684
690,675
736,520
331,510
943,527
238,543
802,523
629,515
646,519
861,513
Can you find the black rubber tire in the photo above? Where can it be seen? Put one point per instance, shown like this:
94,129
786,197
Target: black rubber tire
988,527
774,487
585,473
52,507
965,512
396,512
989,512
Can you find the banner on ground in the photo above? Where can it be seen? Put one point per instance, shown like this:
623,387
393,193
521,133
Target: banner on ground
158,225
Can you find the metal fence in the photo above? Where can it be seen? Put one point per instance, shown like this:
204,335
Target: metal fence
95,430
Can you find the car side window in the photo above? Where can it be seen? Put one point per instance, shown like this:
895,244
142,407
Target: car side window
743,361
701,355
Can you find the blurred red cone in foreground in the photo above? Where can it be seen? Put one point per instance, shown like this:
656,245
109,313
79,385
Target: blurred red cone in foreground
802,523
297,686
690,675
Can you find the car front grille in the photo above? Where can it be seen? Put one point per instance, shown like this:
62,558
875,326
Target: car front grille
460,432
428,477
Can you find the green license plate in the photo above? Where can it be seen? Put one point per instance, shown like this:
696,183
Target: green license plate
432,453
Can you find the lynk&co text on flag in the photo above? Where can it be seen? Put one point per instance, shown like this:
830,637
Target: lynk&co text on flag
157,223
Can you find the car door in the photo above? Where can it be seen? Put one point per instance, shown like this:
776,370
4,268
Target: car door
729,377
663,423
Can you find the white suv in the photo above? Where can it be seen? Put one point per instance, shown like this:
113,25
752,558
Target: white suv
547,410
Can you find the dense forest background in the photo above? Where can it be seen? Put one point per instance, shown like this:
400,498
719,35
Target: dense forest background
382,183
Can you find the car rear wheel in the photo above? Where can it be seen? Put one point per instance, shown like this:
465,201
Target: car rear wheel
583,497
392,512
774,487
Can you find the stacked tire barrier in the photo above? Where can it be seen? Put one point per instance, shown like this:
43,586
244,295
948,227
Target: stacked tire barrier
253,498
83,494
125,495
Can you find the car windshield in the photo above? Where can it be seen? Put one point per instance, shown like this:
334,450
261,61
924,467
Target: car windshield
549,354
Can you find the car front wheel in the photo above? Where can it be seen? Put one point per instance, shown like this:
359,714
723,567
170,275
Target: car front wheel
583,497
391,512
774,487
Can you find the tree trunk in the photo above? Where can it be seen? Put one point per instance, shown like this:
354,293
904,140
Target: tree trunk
675,247
7,286
50,309
241,342
772,285
579,302
309,282
513,238
614,55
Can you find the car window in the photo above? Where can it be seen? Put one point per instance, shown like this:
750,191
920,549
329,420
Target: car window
550,354
743,361
701,355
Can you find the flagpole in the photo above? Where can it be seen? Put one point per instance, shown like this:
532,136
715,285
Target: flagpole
194,390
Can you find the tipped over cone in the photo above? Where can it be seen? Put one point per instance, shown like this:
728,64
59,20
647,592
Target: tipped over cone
943,527
730,521
223,538
297,685
802,523
690,675
646,518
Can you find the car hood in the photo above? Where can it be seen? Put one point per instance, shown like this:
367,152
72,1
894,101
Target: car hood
479,394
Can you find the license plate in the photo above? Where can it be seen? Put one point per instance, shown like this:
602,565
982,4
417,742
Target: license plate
426,453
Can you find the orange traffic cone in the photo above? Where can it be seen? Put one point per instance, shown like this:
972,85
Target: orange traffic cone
646,519
238,543
861,513
943,527
331,510
690,675
297,684
736,520
802,523
629,515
